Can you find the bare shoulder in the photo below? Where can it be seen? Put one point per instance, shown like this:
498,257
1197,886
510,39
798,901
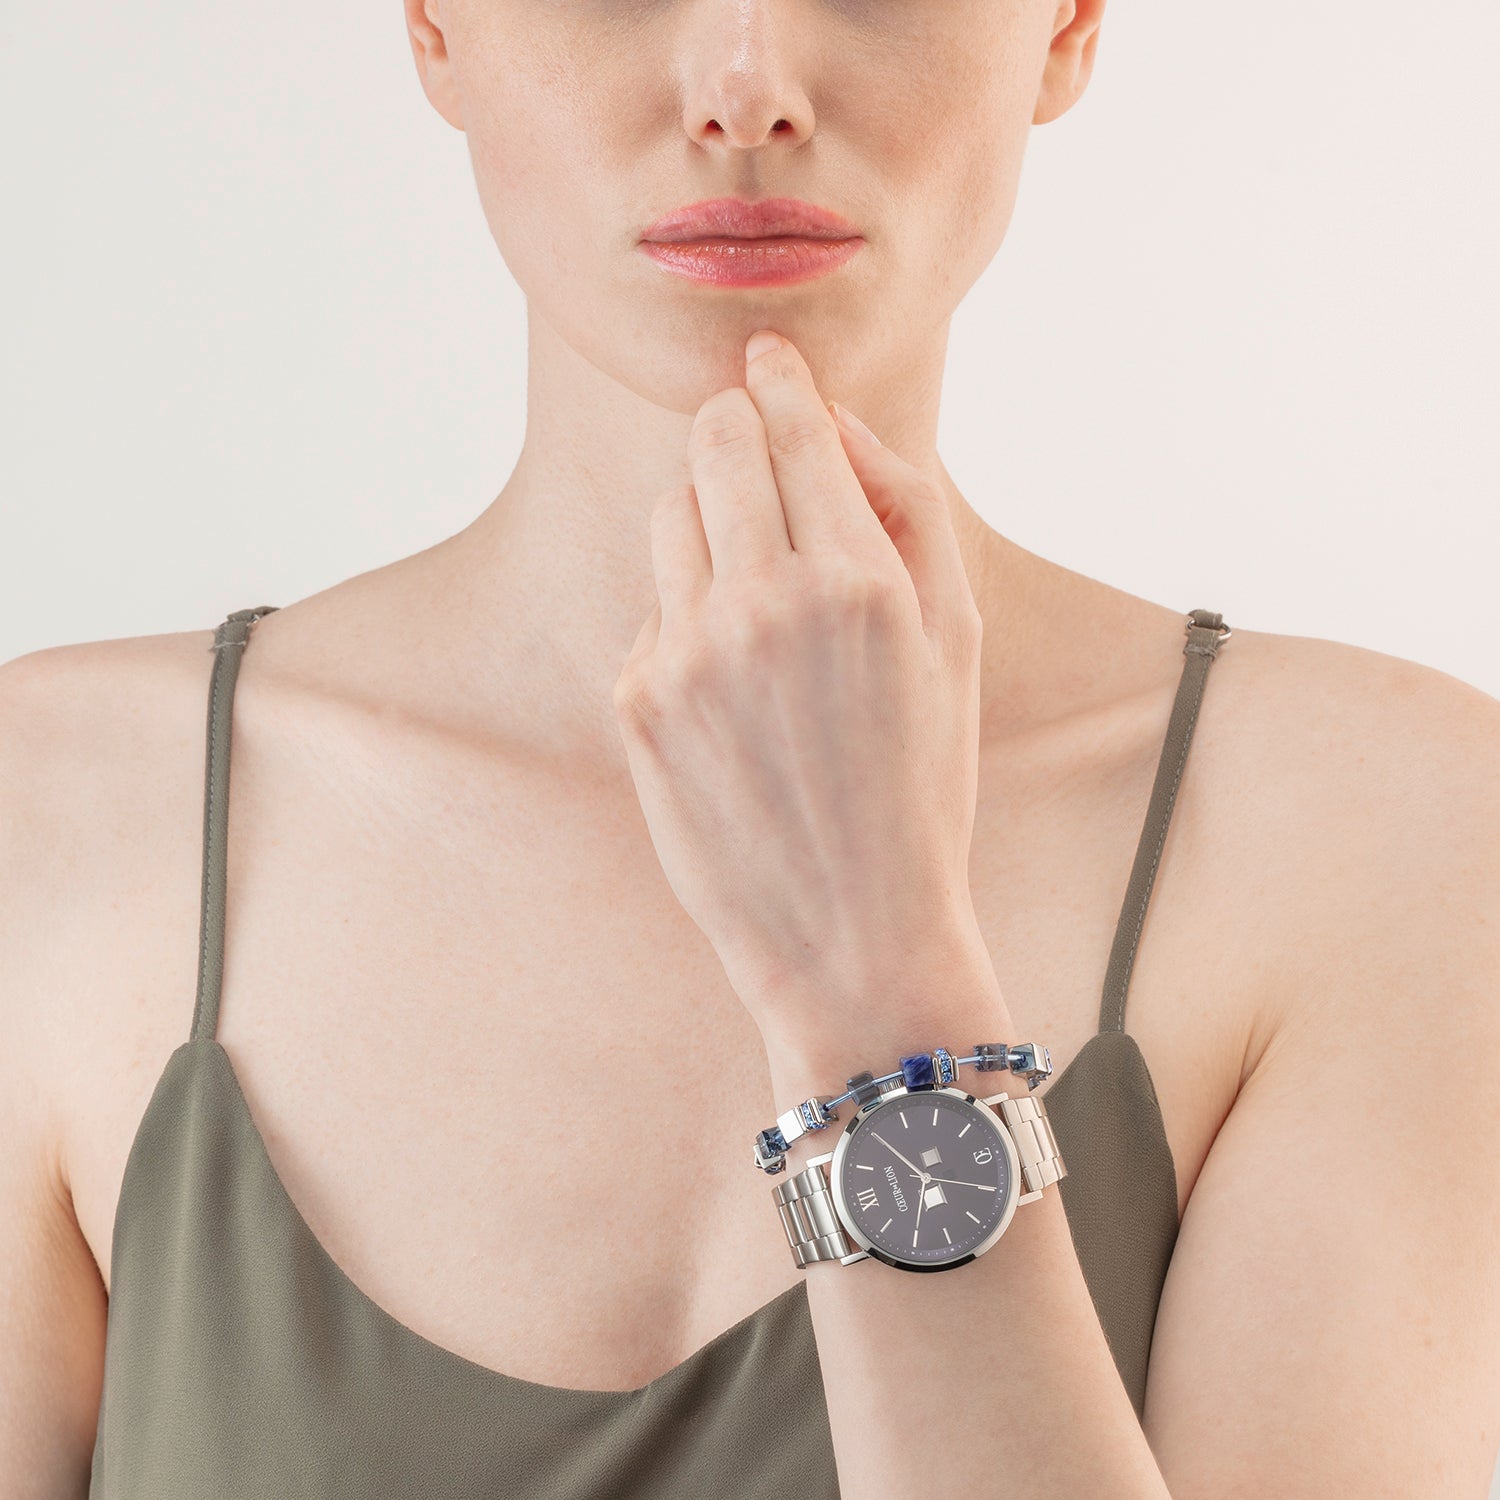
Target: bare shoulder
101,755
1333,1277
1350,701
1372,781
94,739
92,742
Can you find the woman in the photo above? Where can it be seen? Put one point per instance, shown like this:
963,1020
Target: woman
726,756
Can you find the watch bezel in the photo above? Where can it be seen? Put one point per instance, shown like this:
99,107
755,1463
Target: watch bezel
850,1222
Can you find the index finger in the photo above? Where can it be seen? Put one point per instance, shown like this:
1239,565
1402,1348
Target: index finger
825,506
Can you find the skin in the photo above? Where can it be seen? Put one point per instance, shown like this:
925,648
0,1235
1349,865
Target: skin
440,856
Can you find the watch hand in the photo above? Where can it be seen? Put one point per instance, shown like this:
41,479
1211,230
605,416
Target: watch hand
896,1153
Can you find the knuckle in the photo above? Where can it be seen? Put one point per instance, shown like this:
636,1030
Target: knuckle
754,625
723,425
967,628
637,707
723,432
690,673
627,686
795,435
841,590
754,583
927,491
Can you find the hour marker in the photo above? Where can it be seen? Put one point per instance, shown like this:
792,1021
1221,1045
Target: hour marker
946,1235
886,1225
864,1166
867,1199
972,1216
934,1114
967,1128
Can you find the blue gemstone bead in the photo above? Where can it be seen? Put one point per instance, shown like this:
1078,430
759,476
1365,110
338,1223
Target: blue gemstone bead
917,1071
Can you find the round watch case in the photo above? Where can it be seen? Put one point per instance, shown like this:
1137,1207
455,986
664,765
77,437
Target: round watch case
925,1179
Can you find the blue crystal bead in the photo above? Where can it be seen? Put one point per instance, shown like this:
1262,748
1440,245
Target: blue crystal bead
770,1149
916,1071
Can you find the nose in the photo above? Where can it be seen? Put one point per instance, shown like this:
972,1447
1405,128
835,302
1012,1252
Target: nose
743,60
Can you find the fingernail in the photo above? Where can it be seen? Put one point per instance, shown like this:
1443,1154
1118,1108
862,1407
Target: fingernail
853,423
761,342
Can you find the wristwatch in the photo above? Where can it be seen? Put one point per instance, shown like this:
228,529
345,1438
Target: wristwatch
925,1176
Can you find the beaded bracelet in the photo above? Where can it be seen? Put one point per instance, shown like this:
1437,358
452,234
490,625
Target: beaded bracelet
922,1070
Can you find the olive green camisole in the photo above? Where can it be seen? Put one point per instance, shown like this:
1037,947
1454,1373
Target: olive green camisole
241,1363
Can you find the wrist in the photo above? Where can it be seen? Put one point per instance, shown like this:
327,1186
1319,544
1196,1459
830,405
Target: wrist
931,1088
951,1000
966,1008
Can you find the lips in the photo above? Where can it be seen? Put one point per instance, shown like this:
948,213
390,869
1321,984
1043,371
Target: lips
778,261
735,218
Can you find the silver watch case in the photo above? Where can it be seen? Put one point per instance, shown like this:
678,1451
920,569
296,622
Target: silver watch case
834,1160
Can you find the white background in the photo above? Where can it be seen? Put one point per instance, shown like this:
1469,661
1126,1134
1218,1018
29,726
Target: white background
1238,350
259,338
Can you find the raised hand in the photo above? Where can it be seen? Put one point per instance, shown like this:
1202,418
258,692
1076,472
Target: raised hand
800,711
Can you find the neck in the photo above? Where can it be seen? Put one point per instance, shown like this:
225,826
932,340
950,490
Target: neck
531,609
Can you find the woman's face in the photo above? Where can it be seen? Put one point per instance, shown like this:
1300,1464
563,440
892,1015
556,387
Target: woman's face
588,119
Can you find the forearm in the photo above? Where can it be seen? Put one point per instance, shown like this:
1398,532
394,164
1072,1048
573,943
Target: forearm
996,1372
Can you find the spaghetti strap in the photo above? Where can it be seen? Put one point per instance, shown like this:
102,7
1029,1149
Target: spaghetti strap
230,639
1206,632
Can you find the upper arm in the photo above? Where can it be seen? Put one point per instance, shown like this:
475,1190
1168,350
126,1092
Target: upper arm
52,1299
1330,1325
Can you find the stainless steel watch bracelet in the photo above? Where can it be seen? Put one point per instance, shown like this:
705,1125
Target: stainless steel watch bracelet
805,1200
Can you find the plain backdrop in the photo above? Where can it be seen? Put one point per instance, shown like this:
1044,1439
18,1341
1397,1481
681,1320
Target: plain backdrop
1238,350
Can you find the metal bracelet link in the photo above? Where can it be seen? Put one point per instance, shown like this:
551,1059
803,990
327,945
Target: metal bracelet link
1036,1145
809,1218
